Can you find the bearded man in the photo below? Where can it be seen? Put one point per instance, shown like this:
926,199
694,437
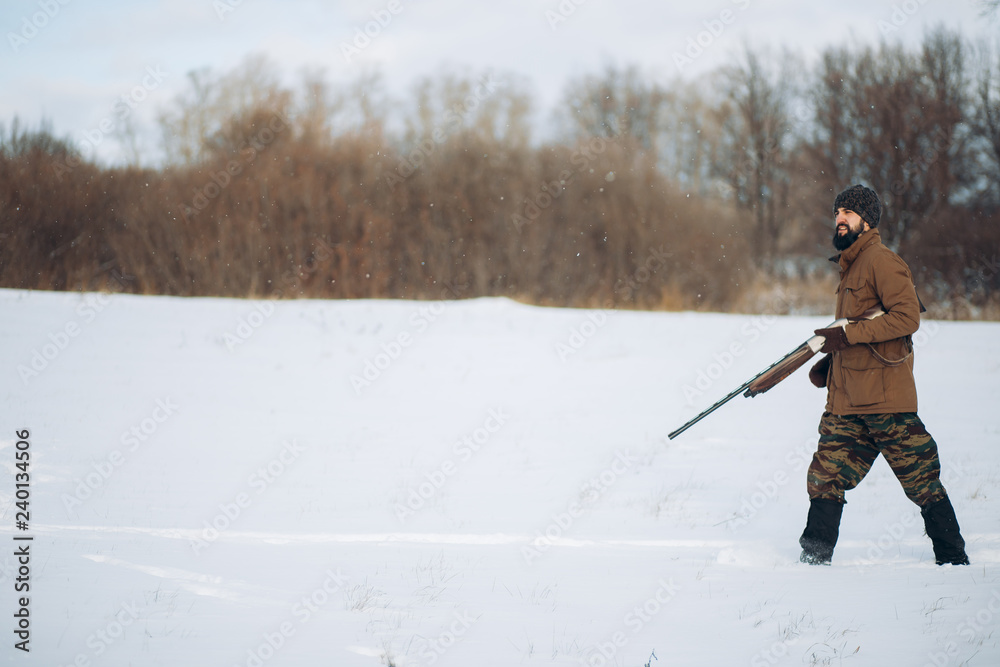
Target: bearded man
871,405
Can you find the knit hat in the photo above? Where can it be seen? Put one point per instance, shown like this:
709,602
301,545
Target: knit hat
863,201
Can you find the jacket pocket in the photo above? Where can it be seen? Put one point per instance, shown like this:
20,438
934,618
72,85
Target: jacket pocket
864,383
858,296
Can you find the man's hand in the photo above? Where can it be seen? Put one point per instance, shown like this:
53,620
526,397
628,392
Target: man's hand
836,339
818,373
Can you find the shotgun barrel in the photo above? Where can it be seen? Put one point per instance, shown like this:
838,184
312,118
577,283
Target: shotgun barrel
802,354
776,372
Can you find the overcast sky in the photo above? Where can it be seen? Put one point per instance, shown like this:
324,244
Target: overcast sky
70,61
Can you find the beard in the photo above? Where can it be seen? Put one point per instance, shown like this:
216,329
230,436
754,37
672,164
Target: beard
844,242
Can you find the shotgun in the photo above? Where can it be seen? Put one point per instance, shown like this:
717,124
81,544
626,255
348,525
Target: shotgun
777,371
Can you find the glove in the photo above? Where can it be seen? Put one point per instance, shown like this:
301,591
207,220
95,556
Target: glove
817,374
836,339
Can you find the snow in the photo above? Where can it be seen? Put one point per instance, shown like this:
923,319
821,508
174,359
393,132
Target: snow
218,482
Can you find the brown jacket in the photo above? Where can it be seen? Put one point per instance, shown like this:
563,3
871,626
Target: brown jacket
858,381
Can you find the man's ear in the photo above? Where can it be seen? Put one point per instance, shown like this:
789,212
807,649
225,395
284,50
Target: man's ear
866,226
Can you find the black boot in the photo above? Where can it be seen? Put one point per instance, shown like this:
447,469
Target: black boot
822,530
942,527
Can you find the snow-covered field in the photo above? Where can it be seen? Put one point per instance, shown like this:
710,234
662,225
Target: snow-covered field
223,482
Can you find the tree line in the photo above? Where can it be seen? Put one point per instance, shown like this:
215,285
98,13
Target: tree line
709,194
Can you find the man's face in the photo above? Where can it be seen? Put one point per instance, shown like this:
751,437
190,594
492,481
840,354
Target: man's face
849,226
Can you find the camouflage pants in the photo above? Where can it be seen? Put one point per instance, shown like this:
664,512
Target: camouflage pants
849,445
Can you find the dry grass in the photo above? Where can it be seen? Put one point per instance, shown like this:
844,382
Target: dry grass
268,198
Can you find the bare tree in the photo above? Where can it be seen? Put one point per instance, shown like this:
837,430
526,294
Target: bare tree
985,117
127,135
893,119
618,103
490,105
755,121
217,113
690,140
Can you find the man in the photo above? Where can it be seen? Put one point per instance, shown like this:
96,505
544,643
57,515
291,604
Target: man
871,405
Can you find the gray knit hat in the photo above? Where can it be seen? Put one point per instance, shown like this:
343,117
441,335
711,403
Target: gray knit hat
863,201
